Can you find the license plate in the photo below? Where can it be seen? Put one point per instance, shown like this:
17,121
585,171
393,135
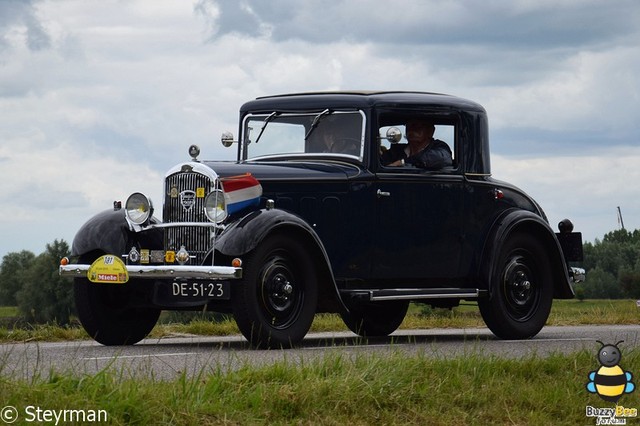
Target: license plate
201,290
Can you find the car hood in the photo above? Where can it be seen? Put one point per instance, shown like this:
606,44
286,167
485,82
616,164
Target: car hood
285,170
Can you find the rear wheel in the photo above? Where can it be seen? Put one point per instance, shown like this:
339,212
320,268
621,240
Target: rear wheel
375,318
275,302
522,289
107,315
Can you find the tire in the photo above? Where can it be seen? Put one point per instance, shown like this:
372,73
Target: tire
274,304
105,314
375,319
521,289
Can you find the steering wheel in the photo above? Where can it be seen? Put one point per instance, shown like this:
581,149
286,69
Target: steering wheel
349,146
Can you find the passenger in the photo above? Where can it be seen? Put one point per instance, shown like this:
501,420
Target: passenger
422,150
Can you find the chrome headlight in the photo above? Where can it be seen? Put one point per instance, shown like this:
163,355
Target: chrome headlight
215,207
138,208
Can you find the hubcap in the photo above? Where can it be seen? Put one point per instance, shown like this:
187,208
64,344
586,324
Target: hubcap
281,296
280,291
520,289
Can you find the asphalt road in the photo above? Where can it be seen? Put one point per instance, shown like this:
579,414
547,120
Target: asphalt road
169,357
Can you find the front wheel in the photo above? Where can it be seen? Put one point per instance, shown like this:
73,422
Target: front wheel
105,312
521,289
275,302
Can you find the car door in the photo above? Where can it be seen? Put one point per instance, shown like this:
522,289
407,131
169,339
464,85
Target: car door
419,217
419,227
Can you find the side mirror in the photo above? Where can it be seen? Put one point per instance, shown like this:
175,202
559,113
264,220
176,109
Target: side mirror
227,139
394,135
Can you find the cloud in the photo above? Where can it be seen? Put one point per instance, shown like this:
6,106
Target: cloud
54,189
585,188
525,24
99,99
19,23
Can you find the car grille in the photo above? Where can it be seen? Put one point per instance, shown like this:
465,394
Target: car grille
183,205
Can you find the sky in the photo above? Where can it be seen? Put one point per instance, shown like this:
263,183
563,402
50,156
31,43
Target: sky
98,99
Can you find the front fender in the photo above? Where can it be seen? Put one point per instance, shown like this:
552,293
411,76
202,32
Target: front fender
243,235
108,232
521,220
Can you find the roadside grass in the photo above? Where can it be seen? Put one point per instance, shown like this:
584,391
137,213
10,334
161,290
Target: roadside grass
563,312
339,388
8,311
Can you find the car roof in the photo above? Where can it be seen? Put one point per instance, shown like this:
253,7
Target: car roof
356,100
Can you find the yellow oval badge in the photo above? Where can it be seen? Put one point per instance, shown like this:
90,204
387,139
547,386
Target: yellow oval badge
108,269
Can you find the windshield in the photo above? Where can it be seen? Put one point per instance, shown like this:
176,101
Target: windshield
331,133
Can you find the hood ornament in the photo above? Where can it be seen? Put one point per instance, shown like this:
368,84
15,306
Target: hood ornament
194,151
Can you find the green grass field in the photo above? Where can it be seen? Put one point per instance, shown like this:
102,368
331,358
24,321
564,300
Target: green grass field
8,311
342,388
563,312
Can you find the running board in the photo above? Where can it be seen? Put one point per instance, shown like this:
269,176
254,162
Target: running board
415,294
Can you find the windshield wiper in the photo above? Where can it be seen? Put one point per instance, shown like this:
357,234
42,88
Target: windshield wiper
265,122
316,120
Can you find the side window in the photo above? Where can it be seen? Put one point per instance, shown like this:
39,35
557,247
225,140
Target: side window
425,143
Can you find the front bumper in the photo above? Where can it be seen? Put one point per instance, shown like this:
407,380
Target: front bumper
162,272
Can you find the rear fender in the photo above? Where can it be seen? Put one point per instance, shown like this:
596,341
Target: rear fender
524,221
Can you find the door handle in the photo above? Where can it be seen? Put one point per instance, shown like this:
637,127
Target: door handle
381,193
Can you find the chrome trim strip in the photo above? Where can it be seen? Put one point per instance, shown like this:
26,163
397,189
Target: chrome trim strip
426,296
163,272
163,225
194,166
179,224
421,293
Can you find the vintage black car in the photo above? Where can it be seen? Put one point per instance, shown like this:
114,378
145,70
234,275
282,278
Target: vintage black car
309,219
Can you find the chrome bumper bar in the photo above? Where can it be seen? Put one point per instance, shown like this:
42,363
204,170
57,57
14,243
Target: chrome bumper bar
163,272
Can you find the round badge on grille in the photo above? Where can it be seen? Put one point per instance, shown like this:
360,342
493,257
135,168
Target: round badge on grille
187,199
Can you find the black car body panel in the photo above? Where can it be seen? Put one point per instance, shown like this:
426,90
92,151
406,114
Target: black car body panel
108,232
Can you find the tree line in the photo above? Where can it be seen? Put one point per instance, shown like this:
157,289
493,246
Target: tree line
613,267
32,282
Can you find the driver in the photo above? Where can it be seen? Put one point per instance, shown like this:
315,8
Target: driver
422,150
340,137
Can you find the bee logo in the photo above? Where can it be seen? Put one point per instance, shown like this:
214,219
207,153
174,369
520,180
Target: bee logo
610,381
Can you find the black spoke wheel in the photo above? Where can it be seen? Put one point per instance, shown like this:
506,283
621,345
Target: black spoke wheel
374,319
274,304
105,312
521,290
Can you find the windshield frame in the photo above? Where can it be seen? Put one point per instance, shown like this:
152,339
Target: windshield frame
270,117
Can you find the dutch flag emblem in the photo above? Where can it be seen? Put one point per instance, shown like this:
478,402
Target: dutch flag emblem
241,192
